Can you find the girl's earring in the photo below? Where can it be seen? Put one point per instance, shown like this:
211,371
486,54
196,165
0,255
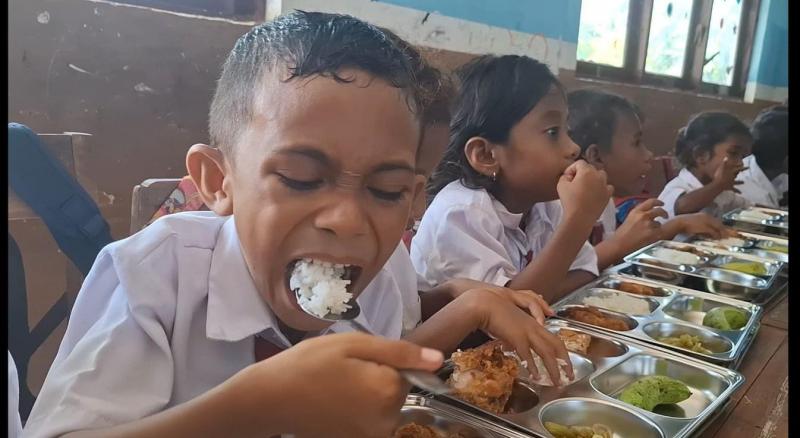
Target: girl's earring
494,176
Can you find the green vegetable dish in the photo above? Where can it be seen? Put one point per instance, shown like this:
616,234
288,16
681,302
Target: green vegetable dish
651,391
725,318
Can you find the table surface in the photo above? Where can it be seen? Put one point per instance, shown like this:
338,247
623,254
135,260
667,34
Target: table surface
759,409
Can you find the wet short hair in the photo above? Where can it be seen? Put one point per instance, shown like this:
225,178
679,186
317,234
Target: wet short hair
703,132
770,132
593,117
305,44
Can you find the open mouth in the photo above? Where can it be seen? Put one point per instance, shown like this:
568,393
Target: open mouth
320,287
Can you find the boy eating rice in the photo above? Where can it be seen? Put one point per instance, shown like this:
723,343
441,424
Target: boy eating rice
311,158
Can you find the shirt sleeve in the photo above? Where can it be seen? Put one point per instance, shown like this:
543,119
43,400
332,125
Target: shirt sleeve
14,423
669,196
114,364
461,243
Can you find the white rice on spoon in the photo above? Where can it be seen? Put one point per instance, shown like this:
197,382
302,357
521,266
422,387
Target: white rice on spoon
320,286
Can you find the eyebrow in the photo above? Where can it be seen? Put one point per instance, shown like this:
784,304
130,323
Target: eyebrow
551,114
392,166
307,152
324,160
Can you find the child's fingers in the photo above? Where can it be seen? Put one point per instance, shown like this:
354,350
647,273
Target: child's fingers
524,352
395,354
656,212
648,205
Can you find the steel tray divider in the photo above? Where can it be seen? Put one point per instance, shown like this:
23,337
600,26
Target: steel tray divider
659,315
761,298
635,259
669,426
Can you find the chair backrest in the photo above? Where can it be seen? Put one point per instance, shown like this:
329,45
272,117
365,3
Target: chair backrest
148,198
154,198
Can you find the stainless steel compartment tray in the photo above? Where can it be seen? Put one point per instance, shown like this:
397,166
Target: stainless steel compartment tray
680,311
449,420
759,297
779,227
757,245
710,271
617,362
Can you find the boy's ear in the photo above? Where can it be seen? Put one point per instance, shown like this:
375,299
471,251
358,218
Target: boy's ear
481,156
592,156
207,168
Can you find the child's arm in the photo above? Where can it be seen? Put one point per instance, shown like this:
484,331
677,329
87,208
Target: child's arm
275,396
435,299
495,314
724,179
638,230
573,280
695,224
584,195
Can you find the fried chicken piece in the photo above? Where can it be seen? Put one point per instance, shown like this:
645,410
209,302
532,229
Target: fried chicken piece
594,317
414,430
575,341
484,376
638,289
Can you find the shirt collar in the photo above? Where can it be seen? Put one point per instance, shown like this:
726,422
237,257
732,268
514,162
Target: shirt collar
236,309
689,177
507,218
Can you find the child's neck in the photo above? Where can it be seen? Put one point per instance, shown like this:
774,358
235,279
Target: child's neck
701,176
512,203
292,335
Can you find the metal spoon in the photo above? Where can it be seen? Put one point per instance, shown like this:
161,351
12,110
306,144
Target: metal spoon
421,379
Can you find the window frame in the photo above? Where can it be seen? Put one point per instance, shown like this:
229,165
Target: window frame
637,39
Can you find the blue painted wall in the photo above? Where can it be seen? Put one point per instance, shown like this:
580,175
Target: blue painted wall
770,62
556,19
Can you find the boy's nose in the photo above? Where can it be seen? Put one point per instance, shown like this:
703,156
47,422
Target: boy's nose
344,216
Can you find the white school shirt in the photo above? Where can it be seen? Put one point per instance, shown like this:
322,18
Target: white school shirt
164,316
756,187
14,422
781,183
466,233
608,218
687,182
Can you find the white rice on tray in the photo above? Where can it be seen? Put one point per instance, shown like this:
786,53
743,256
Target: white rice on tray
674,256
320,287
731,241
619,302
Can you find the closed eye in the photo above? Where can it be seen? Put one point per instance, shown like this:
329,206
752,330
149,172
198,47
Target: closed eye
299,185
387,196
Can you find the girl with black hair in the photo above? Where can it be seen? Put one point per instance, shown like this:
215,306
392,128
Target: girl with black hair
495,214
711,148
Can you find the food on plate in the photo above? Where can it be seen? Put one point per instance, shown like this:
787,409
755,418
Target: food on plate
772,246
732,241
651,391
484,376
686,341
752,268
591,316
321,286
619,302
562,431
575,341
414,430
755,215
725,318
675,257
544,376
638,289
